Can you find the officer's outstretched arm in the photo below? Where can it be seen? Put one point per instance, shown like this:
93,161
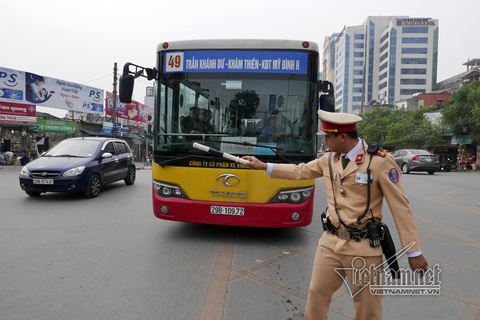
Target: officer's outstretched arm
255,163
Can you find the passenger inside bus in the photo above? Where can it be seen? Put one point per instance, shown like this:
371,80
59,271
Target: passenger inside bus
192,123
205,119
233,126
277,126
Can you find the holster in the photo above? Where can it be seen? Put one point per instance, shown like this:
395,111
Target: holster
388,248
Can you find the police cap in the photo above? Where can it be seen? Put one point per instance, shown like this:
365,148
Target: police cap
338,122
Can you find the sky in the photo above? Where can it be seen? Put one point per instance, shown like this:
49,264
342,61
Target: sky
79,41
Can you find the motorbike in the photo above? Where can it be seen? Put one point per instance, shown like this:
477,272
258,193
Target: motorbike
448,166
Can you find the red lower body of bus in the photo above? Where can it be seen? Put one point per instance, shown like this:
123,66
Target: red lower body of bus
270,215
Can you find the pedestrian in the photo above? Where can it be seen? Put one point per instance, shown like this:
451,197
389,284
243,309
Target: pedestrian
346,168
24,159
8,155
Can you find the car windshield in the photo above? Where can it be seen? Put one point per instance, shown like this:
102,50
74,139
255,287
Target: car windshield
74,148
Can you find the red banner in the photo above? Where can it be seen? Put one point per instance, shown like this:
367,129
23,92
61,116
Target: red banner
134,111
144,112
127,111
18,113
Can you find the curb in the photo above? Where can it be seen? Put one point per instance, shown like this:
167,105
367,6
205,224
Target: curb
10,167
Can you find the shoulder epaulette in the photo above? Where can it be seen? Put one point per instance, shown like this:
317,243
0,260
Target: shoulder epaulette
382,153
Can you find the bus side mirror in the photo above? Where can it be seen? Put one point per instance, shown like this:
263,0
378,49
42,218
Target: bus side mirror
126,88
327,99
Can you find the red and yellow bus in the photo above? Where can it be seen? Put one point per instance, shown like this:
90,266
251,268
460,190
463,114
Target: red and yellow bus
243,97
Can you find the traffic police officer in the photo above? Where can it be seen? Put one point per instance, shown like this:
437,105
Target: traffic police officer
345,246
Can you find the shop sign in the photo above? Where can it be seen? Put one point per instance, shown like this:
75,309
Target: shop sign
107,128
464,139
56,126
17,113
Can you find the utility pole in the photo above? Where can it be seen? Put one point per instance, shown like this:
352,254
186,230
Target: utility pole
114,102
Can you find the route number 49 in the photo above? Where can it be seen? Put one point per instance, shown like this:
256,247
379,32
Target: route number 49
174,62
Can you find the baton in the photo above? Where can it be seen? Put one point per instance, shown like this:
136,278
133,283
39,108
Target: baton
220,153
388,248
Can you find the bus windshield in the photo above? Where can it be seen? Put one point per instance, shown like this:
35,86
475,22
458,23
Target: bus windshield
268,114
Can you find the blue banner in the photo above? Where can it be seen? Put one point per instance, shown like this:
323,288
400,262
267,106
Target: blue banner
236,61
107,128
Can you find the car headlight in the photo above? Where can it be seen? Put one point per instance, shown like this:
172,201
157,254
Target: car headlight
293,196
24,171
74,172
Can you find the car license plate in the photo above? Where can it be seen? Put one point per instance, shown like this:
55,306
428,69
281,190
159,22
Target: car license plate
229,211
428,159
43,181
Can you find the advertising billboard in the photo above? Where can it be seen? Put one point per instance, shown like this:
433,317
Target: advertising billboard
29,88
134,111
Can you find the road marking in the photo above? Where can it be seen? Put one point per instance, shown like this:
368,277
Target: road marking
214,301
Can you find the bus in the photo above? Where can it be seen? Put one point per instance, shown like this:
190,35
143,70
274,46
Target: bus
241,97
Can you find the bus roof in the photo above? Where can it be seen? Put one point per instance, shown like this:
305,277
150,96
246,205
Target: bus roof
219,44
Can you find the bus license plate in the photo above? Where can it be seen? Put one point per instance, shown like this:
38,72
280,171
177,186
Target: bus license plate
229,211
43,181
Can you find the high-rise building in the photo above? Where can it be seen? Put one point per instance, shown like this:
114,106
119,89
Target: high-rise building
385,59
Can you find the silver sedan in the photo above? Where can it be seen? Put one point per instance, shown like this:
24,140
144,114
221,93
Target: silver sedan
416,160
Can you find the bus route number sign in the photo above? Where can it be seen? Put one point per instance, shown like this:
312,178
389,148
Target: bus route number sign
174,62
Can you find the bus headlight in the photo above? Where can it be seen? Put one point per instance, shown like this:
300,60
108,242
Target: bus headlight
168,190
293,196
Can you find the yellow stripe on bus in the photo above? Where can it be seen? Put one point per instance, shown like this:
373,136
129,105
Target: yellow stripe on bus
254,186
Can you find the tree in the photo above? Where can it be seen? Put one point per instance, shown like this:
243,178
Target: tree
374,124
414,128
462,112
244,104
400,128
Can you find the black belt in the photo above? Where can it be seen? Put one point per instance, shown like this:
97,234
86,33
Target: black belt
357,235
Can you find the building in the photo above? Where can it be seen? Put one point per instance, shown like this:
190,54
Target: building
456,82
328,63
439,100
386,59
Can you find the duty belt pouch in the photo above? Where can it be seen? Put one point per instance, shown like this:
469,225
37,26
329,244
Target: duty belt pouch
388,248
324,221
374,233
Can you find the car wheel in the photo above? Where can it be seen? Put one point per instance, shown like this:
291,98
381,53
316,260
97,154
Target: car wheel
405,168
431,171
130,179
33,193
94,186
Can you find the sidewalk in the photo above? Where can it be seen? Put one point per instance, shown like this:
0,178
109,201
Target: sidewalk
11,167
142,166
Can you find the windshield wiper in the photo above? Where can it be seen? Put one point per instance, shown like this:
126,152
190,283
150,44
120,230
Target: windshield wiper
256,145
